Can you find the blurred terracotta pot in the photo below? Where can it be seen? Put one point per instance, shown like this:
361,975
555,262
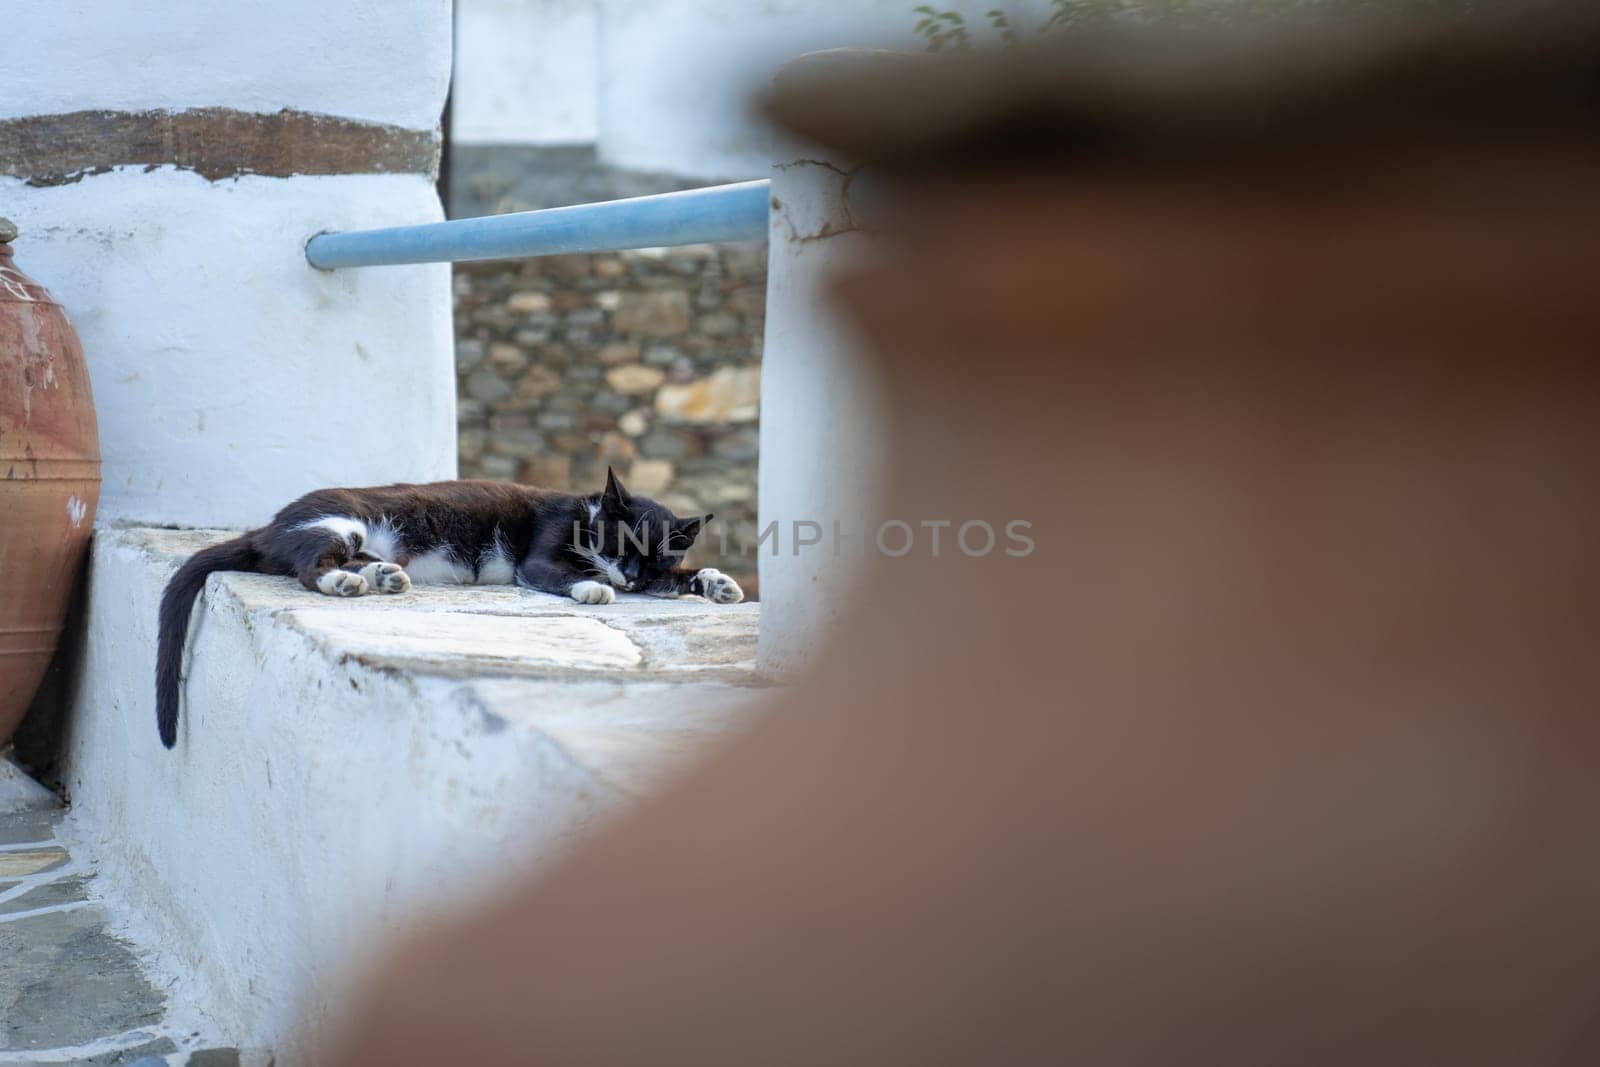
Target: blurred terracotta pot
50,466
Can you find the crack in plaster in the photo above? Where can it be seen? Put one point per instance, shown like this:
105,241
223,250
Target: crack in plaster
781,210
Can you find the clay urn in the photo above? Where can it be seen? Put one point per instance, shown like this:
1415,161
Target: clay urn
50,466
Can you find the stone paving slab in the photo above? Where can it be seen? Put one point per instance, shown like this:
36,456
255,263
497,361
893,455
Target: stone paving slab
71,991
469,644
29,827
68,981
18,792
208,1057
23,862
72,889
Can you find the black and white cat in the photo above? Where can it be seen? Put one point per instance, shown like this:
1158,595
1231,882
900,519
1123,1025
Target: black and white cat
349,542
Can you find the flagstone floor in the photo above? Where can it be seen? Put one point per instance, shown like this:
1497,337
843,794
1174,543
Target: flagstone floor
71,991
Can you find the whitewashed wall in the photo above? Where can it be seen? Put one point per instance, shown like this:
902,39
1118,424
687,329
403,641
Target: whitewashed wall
661,85
822,421
527,72
380,60
676,76
229,376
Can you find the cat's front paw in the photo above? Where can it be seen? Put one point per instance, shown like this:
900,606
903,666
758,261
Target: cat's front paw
341,583
593,593
718,587
386,577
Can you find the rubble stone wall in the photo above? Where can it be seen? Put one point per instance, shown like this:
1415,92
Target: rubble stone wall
648,361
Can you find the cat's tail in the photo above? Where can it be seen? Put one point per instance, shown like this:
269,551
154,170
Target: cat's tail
236,555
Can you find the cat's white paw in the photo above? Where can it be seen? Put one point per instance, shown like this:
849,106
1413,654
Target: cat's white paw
386,577
593,593
718,587
341,583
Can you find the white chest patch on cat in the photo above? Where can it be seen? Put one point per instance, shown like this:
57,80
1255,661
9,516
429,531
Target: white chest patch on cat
383,541
438,567
496,568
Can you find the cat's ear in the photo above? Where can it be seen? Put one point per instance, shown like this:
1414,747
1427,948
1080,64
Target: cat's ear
616,494
686,530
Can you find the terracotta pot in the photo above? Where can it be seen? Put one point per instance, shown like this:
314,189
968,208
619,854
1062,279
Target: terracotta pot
50,466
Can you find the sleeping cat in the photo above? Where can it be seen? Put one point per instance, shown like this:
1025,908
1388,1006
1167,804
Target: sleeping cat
349,542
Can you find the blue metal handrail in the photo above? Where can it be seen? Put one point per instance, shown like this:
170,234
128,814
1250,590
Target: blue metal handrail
735,212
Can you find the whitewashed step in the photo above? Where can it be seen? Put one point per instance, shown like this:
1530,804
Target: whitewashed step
345,764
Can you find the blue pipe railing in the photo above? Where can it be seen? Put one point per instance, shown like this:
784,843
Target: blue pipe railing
735,212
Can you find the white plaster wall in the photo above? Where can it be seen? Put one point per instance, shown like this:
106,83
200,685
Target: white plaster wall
378,60
822,421
661,85
676,76
526,72
229,376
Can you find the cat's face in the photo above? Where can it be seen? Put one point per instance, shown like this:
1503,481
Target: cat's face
639,537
